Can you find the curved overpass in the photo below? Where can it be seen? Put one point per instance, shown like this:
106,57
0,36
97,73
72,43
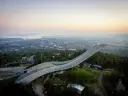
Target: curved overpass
49,67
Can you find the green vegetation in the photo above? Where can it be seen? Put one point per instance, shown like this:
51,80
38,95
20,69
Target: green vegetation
109,80
83,76
106,60
115,66
41,56
88,92
117,69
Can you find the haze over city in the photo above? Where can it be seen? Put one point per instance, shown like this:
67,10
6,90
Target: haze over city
37,18
63,47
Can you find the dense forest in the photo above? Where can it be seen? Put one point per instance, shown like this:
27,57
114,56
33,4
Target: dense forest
40,56
106,60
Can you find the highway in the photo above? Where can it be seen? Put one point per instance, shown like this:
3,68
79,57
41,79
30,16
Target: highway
7,75
9,72
13,69
49,67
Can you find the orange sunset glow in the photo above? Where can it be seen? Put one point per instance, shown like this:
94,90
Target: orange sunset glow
80,15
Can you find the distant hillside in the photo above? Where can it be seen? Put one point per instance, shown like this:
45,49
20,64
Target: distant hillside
11,39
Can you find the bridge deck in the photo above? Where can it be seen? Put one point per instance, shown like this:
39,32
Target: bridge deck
49,67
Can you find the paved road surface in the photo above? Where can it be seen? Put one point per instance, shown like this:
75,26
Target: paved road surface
6,75
49,67
12,69
101,85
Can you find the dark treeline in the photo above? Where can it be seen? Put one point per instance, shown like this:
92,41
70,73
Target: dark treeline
40,56
118,63
110,61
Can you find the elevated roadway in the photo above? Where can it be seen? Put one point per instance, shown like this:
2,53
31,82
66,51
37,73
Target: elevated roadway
9,72
7,75
13,69
49,67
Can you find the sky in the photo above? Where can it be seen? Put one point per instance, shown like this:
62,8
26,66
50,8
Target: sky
37,18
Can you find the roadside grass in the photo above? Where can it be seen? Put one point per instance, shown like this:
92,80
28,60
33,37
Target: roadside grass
85,75
81,76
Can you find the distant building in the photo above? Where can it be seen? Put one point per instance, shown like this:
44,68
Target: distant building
72,49
60,49
30,59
